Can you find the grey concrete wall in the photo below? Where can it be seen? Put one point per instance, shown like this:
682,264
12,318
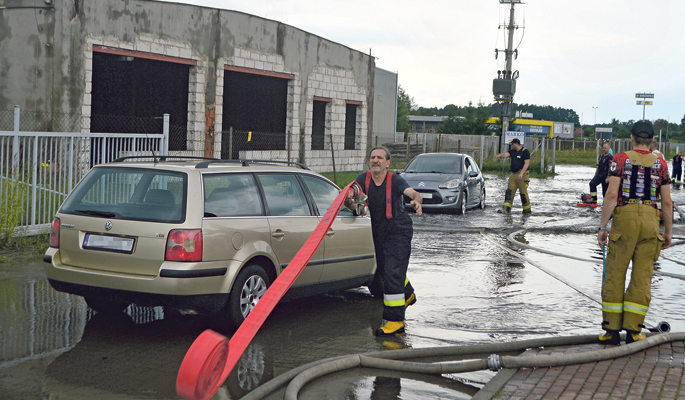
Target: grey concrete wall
46,63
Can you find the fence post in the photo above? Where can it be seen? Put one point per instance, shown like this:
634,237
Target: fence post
482,145
542,156
335,178
34,180
597,150
165,142
15,141
459,146
230,143
554,153
408,145
288,144
424,141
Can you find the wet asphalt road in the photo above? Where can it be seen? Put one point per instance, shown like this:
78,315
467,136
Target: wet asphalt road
469,291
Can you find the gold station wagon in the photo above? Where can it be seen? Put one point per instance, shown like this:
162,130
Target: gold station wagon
203,234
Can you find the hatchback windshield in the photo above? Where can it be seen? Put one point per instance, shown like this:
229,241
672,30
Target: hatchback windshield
130,193
435,164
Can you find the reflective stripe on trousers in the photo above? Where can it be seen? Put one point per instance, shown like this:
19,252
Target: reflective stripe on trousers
515,184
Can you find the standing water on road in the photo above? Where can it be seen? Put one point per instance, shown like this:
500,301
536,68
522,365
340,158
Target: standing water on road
469,291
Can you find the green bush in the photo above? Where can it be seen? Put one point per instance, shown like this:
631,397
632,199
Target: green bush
13,196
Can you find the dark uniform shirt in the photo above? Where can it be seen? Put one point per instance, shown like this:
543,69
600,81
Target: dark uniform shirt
603,165
376,203
677,162
622,168
518,158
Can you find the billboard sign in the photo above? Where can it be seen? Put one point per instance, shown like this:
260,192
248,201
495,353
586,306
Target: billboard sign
510,135
603,133
563,130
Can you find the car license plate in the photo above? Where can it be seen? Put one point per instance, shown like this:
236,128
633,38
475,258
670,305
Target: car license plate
108,243
427,195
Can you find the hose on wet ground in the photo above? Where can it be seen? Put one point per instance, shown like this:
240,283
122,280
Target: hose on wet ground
302,375
662,326
395,360
515,242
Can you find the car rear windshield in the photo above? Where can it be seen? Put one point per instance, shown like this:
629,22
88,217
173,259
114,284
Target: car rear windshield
435,164
130,193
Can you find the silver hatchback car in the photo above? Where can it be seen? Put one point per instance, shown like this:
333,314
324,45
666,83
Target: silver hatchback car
209,235
448,182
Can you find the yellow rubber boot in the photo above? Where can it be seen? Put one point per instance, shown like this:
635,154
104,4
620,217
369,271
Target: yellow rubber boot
390,328
410,301
610,337
634,336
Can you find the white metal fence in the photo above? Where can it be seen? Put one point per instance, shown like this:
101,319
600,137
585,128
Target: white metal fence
39,169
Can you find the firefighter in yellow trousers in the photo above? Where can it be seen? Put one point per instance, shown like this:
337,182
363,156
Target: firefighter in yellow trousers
519,178
637,179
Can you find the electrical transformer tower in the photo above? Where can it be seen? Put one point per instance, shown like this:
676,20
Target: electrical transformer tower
504,86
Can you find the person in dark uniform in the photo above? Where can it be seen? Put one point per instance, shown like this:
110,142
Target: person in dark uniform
601,173
678,168
392,233
637,179
519,178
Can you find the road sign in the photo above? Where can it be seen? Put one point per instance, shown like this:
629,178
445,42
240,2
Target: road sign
644,102
644,95
510,135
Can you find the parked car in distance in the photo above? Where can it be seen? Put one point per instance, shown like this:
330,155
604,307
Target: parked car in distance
448,182
209,235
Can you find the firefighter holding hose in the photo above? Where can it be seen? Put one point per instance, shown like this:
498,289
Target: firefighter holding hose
392,233
637,179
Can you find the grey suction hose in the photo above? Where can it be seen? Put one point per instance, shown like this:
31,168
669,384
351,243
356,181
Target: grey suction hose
406,354
494,362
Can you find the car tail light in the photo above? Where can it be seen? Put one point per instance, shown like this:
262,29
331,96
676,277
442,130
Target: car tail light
54,233
184,245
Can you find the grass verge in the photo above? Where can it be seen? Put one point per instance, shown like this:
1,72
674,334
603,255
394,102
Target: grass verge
24,248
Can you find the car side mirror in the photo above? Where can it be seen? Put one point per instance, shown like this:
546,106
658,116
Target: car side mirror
473,174
399,171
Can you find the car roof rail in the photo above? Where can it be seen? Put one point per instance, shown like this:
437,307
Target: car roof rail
246,163
163,158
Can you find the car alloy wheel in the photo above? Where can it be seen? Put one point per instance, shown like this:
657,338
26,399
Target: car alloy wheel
248,288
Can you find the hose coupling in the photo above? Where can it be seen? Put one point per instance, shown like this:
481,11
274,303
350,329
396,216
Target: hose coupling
357,194
494,362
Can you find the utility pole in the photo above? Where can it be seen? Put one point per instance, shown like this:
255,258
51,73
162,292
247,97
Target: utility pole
504,87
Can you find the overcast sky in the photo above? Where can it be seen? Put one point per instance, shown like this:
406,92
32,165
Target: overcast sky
573,54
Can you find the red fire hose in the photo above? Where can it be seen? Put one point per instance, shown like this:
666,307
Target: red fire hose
212,356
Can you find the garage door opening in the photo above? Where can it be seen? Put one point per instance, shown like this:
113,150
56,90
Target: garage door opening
131,94
255,106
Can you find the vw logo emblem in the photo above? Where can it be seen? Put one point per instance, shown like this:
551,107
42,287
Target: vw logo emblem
422,184
108,225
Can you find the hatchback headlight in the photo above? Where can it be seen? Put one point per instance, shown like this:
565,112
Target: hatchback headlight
454,183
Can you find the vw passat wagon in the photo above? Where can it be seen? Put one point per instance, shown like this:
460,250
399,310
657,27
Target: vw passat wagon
209,235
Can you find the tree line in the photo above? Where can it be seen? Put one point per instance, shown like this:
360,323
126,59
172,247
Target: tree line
471,120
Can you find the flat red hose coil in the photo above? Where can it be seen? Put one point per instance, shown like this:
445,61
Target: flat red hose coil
212,356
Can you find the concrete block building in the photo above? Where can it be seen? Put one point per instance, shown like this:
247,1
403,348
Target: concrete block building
235,85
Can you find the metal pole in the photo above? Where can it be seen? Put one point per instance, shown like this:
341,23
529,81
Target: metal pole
554,153
15,141
335,178
482,145
165,143
230,143
542,156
